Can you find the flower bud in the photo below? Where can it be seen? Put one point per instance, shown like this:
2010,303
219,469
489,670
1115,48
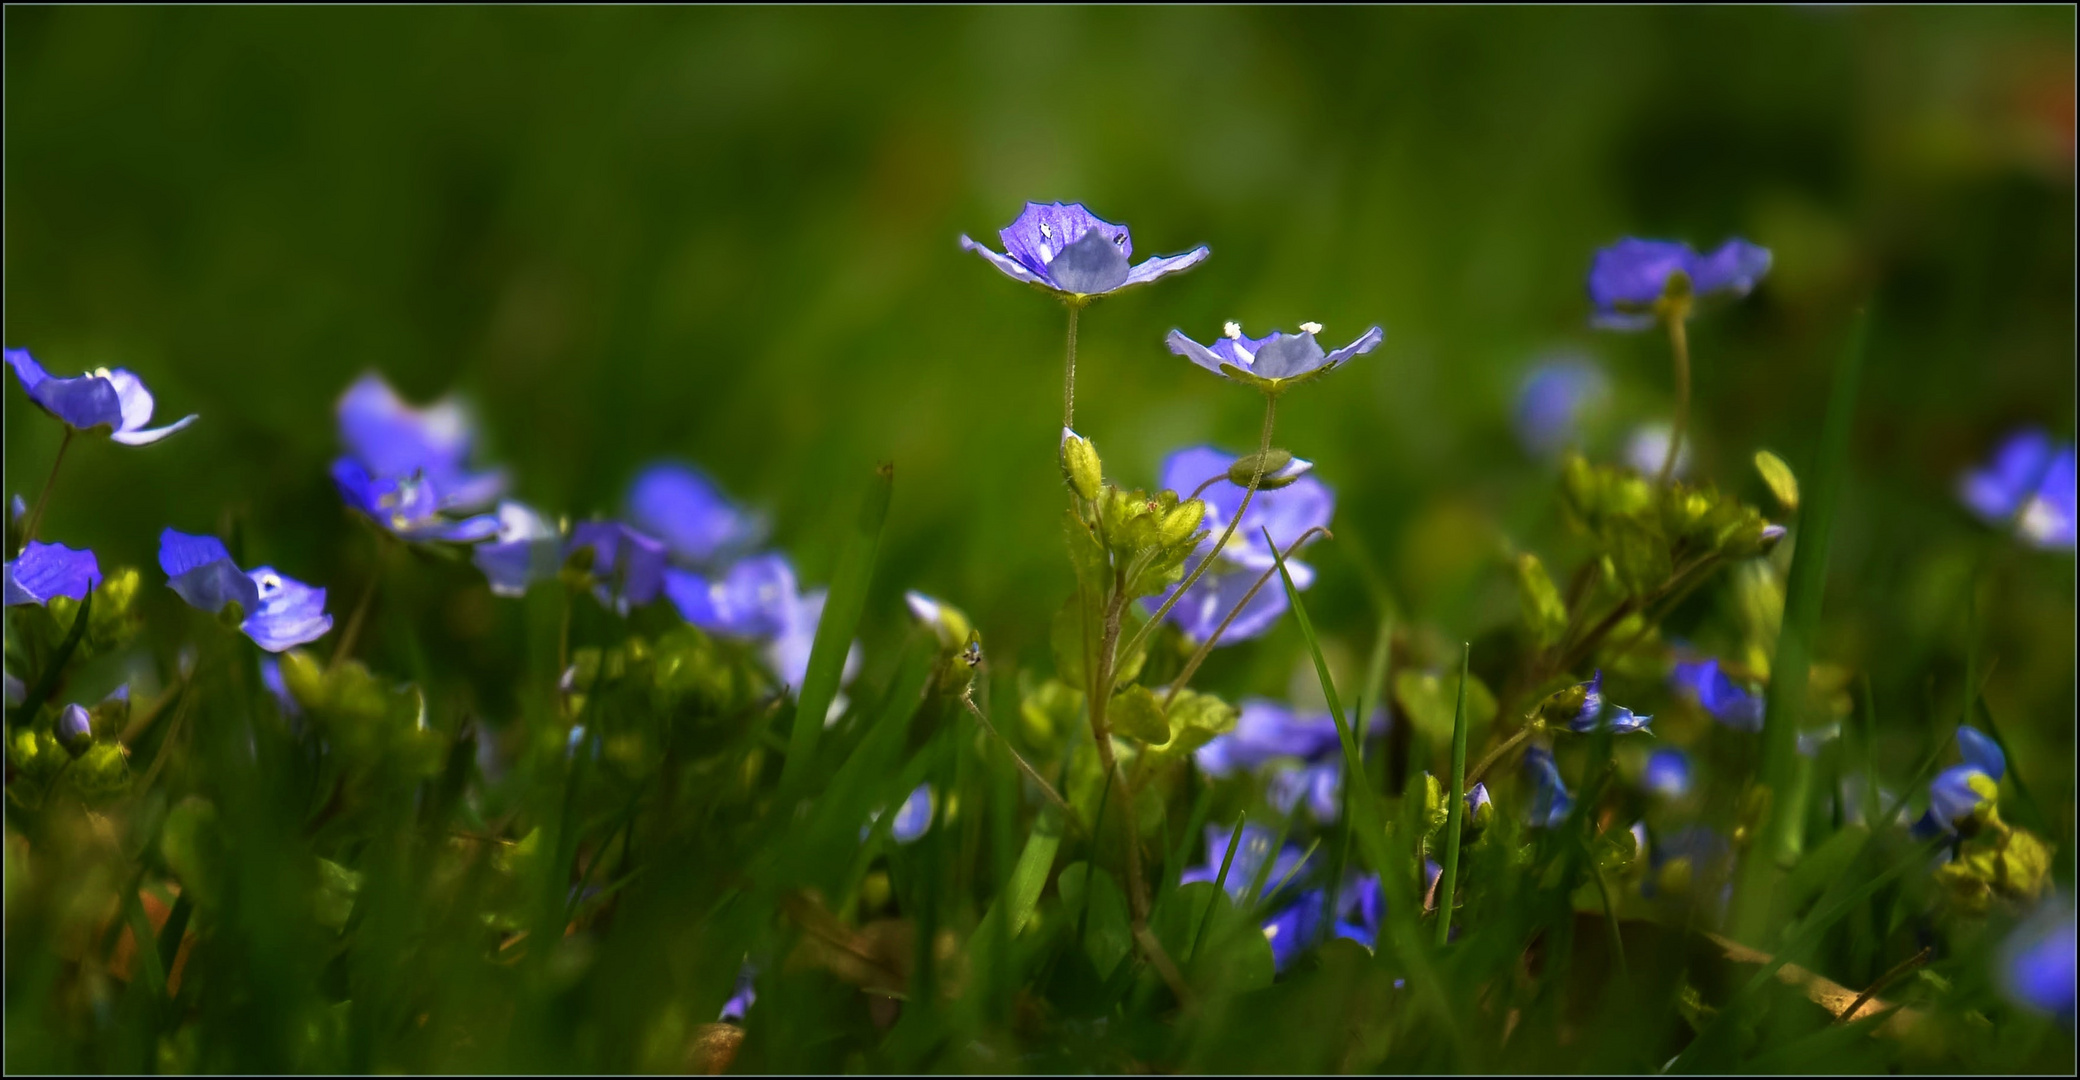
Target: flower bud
1272,462
75,729
1081,468
1182,521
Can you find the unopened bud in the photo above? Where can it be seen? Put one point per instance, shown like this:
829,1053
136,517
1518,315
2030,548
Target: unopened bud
1081,468
1264,468
75,728
1182,521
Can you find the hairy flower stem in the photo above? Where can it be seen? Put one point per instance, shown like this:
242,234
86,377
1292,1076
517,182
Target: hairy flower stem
1679,344
44,497
1069,369
1256,477
1053,796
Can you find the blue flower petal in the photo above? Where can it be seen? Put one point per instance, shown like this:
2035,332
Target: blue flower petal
1981,752
289,612
914,817
50,570
1165,265
1667,773
1092,266
679,505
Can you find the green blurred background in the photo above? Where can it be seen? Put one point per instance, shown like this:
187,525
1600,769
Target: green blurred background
729,236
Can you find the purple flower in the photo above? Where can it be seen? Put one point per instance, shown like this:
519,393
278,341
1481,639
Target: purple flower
1594,710
914,817
1951,796
1250,856
74,726
526,549
114,399
739,1005
409,505
279,613
698,523
1288,513
752,600
50,570
1067,250
2035,964
1320,784
1628,278
2029,485
629,565
758,600
390,439
1667,773
1274,361
1550,802
1702,681
1553,401
1266,730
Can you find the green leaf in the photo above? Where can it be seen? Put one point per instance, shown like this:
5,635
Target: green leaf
1195,718
1108,933
1137,714
1545,614
1430,702
1803,588
835,631
1778,476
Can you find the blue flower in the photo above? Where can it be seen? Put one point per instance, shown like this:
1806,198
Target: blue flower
1067,250
1550,802
390,439
1320,784
1629,278
114,399
2029,486
739,1005
2035,964
914,817
1250,856
1702,681
1274,361
1667,773
49,570
409,505
629,564
279,613
526,549
1594,710
758,600
1289,512
74,726
1952,796
1266,730
698,523
1554,400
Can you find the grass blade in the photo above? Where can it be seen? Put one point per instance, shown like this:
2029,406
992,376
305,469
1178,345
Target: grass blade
1455,811
1803,588
835,631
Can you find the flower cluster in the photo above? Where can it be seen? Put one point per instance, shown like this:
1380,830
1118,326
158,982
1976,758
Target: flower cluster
1302,752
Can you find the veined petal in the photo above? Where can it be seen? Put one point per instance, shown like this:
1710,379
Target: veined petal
1092,265
1366,342
48,570
1005,264
1044,230
1196,353
1288,355
1165,265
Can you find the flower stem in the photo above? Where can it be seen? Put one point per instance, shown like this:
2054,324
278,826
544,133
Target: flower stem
1679,344
1256,477
44,497
1191,666
1455,810
1069,370
348,636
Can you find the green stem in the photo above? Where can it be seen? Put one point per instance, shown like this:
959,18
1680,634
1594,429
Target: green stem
1256,477
1455,810
1191,666
1069,370
348,636
44,497
1679,344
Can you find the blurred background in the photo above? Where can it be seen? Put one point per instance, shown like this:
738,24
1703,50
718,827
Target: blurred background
729,236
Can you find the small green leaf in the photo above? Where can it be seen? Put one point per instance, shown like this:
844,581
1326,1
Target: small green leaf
1545,614
1137,714
1429,701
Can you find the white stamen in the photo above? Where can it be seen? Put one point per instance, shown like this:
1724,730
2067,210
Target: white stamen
1045,231
1232,330
1271,932
1311,328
